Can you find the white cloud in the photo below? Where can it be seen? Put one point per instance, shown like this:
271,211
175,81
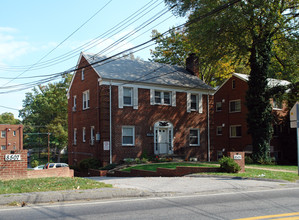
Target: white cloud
10,47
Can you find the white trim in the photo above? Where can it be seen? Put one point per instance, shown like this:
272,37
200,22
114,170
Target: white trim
120,97
92,135
122,131
135,97
86,99
152,96
84,134
173,101
83,74
170,135
230,135
188,102
198,137
236,100
156,87
200,105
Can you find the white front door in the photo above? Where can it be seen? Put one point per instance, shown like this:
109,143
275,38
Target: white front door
162,140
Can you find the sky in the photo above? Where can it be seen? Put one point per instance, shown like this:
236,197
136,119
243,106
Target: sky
38,38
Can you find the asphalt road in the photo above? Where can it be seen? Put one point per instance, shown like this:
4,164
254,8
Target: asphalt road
221,205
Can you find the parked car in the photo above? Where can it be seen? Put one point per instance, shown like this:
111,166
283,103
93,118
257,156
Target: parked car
39,167
55,165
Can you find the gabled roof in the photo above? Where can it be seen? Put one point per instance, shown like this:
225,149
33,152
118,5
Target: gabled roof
271,82
139,71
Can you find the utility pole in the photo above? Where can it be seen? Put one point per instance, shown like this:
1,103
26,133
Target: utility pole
48,147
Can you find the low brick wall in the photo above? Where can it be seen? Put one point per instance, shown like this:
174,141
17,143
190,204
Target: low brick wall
13,169
165,172
56,172
18,169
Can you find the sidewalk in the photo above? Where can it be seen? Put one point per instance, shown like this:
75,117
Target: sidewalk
148,187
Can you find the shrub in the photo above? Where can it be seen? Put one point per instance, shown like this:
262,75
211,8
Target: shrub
144,160
109,167
34,163
229,165
128,160
137,160
89,163
248,160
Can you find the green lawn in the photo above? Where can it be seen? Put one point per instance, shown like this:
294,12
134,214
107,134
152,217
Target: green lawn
48,184
154,166
260,172
278,167
265,174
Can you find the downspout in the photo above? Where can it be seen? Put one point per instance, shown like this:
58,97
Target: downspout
208,116
110,121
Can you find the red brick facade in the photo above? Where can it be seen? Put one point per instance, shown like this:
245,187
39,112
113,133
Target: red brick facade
142,119
232,90
11,137
17,169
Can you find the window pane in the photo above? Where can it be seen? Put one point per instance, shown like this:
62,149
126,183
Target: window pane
127,131
167,98
194,102
157,97
127,140
218,106
194,139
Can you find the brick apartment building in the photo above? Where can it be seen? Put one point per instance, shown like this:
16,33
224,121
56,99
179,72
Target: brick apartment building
230,126
123,108
11,137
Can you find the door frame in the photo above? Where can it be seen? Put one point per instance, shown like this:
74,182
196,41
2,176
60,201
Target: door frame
169,129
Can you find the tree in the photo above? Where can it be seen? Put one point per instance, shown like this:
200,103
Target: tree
246,31
8,118
45,110
175,48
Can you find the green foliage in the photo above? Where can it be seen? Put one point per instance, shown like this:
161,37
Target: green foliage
8,118
49,184
109,166
45,110
248,160
229,165
89,163
34,163
175,48
256,32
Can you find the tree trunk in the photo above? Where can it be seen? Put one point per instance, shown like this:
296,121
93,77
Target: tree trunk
259,118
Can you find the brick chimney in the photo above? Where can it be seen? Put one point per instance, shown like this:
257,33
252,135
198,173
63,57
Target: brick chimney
192,64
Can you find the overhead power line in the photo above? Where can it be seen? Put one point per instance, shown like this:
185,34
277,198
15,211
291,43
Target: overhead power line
104,60
58,44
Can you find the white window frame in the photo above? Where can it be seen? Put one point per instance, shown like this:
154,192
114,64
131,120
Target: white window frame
162,97
92,135
134,98
14,133
131,97
198,136
3,134
235,101
84,134
75,137
122,135
74,103
82,74
219,128
3,147
234,127
199,107
85,99
218,106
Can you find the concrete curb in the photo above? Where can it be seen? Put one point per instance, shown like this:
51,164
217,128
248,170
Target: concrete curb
242,178
72,195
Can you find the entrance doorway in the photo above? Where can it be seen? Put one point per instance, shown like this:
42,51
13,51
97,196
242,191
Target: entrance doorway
163,138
